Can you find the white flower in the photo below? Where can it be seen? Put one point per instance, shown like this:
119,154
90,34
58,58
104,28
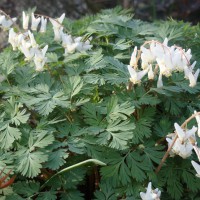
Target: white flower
150,73
159,83
40,59
71,48
184,135
12,39
82,46
147,57
57,27
182,149
185,149
196,167
193,78
43,25
198,122
197,151
25,20
150,194
26,50
66,40
57,23
35,22
2,18
15,39
133,61
136,76
6,23
32,40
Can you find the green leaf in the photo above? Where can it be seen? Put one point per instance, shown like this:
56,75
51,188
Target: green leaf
8,135
30,163
106,192
56,159
31,188
118,111
20,117
117,134
51,57
138,166
95,62
40,139
72,195
50,195
143,125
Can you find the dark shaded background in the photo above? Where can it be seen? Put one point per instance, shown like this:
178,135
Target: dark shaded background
187,10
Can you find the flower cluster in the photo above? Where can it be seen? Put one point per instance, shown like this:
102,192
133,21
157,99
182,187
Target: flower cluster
159,59
34,22
26,43
69,43
6,22
184,143
150,194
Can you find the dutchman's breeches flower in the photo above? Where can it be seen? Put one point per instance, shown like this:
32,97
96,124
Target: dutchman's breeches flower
168,59
35,22
150,193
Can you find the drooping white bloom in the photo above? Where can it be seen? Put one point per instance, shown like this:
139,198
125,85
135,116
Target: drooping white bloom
193,78
147,57
198,122
43,25
196,167
185,149
150,194
34,23
6,23
133,61
182,149
27,50
82,46
66,40
40,59
15,39
12,39
136,76
32,40
150,73
197,151
57,27
57,23
167,59
2,18
184,135
160,82
25,20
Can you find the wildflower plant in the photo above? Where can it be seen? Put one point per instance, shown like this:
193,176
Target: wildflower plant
106,107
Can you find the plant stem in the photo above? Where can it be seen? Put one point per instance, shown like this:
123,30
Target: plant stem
94,161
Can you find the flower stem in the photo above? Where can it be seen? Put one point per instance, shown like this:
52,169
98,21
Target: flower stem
94,161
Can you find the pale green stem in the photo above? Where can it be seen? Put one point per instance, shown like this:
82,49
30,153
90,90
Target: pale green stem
94,161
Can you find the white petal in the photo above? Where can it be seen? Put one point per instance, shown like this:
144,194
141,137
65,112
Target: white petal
159,83
196,167
180,132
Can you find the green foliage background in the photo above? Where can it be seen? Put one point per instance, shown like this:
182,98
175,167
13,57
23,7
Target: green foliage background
80,108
